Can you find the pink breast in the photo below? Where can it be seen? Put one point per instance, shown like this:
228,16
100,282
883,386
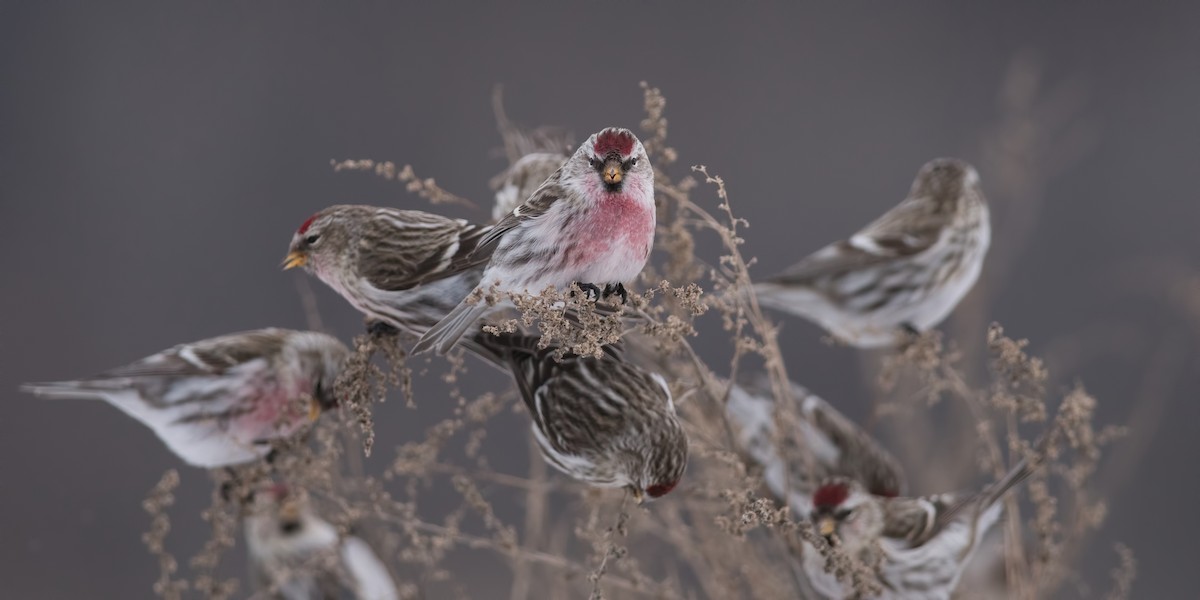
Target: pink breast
620,224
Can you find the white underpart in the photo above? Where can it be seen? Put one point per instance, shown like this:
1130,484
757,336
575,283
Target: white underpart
299,554
927,572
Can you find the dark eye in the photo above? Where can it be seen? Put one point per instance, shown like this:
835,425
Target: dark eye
312,239
842,514
632,162
596,164
627,165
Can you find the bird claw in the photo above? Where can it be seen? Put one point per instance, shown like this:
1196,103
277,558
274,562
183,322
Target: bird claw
590,291
617,289
381,329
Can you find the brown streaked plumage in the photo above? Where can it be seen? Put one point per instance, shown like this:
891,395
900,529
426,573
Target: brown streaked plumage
603,421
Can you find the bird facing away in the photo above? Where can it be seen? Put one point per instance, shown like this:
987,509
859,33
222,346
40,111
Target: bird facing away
297,555
816,443
404,268
221,401
591,222
905,271
926,543
603,421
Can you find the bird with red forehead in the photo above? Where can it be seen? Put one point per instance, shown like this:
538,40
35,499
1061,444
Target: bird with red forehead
924,543
591,223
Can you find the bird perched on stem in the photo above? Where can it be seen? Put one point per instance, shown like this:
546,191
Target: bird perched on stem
603,421
591,222
299,556
221,401
402,268
905,272
923,544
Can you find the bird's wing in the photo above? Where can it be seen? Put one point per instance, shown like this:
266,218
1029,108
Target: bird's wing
213,356
910,228
537,205
408,248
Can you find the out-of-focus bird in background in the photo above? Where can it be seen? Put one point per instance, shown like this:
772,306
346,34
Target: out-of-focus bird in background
297,555
906,271
221,401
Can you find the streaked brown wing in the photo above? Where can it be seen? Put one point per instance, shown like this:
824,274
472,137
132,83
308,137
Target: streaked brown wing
536,206
206,357
401,249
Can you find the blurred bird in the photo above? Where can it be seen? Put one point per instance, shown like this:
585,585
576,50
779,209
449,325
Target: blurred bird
816,442
405,269
299,556
522,178
602,421
220,401
904,272
926,543
591,222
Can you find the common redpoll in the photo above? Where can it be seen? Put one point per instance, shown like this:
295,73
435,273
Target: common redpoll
521,179
905,271
296,555
815,442
924,544
603,421
591,222
221,401
405,268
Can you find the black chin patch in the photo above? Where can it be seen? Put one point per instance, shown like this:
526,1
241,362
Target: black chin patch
612,188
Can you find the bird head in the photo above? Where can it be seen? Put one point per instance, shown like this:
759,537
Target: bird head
322,358
845,514
945,181
320,239
614,158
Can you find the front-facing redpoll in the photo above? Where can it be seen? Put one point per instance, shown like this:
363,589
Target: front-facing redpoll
404,268
591,222
297,555
603,421
905,271
221,401
923,544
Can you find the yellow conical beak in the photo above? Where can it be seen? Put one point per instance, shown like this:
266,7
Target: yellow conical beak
612,172
294,259
826,526
314,409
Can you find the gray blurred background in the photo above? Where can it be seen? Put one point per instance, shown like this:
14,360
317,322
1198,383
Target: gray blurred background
155,159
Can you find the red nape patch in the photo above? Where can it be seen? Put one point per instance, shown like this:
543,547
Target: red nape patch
305,225
661,489
614,140
831,494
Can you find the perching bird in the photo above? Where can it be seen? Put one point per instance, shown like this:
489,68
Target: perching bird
404,268
926,543
904,272
816,442
221,401
591,222
603,421
297,555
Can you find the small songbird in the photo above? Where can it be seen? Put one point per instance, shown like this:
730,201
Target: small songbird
603,421
800,448
403,268
221,401
926,543
591,222
904,272
296,555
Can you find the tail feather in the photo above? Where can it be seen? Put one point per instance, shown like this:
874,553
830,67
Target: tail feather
63,390
443,336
